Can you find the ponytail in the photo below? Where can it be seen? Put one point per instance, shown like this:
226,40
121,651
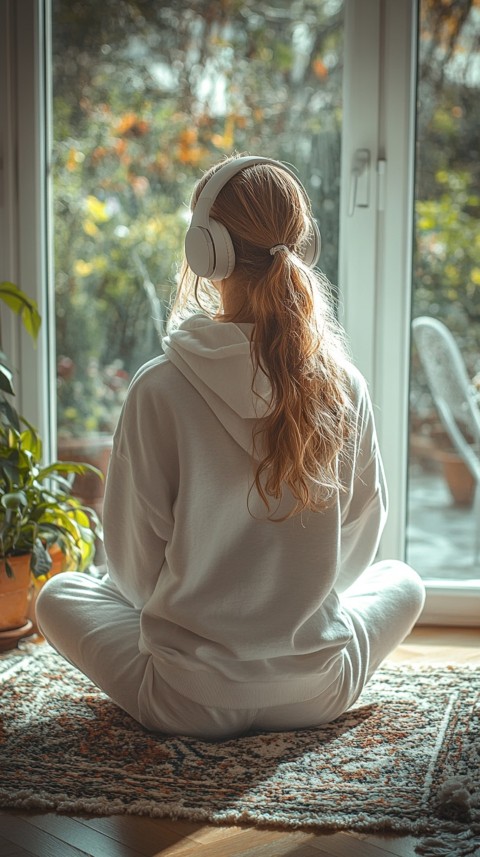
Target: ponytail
298,348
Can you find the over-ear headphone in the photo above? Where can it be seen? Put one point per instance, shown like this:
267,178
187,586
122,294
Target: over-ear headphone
208,245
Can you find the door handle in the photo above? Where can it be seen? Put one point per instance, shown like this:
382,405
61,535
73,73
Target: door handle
359,181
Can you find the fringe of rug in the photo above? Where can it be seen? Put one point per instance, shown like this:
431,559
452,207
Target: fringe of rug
465,844
458,801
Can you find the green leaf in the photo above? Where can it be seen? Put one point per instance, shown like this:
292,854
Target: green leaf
31,442
8,568
41,560
6,376
9,471
23,306
77,514
68,524
8,414
61,486
69,467
14,500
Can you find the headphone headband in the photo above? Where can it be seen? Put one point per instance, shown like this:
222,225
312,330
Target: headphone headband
208,245
222,176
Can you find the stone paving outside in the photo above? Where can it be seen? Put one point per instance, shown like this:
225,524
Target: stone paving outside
440,534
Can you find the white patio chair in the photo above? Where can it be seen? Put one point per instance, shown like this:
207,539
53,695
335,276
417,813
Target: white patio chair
455,398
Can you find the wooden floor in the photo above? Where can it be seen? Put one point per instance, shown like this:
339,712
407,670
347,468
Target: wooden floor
48,835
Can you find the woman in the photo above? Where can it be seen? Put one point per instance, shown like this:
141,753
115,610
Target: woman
245,497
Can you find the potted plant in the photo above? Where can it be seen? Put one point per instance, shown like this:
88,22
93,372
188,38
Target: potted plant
27,309
430,443
38,513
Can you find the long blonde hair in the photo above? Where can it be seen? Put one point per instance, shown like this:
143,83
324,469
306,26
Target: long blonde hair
296,342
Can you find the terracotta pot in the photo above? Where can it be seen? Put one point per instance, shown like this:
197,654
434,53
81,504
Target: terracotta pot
14,592
458,478
437,448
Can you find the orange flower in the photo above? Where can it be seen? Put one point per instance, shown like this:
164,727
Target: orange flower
188,137
189,152
319,68
130,123
72,160
225,140
127,121
191,155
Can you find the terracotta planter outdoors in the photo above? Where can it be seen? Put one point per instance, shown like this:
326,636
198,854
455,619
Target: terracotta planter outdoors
435,447
14,592
460,481
94,450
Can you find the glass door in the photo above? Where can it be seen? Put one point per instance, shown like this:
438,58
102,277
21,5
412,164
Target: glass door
443,527
145,97
142,103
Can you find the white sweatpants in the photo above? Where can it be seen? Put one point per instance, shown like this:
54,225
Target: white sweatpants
93,627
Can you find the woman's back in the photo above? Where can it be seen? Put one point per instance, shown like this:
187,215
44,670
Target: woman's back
240,597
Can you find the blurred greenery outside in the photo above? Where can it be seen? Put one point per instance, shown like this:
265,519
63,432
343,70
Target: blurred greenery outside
447,235
146,96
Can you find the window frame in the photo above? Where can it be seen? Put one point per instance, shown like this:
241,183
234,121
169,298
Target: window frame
377,315
24,235
375,275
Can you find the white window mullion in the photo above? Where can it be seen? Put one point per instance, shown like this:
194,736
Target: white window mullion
358,215
8,196
394,256
30,229
375,248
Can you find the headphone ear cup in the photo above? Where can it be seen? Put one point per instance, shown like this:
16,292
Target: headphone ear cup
199,251
311,252
209,252
223,251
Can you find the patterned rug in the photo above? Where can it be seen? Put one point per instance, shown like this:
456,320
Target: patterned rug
406,759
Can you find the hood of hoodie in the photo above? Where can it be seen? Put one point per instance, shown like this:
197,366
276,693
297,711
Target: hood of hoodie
215,358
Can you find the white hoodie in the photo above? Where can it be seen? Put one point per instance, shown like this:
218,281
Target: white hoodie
237,611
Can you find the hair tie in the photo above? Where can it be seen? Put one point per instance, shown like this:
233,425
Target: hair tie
278,247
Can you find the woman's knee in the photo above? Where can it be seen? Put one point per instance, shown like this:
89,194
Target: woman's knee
58,600
47,601
411,585
389,593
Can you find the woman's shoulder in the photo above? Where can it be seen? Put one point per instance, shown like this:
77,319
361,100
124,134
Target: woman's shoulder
356,382
150,372
157,382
